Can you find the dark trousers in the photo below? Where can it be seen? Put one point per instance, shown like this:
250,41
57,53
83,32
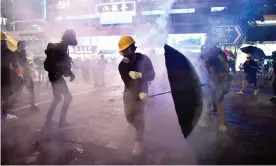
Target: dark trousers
134,112
60,89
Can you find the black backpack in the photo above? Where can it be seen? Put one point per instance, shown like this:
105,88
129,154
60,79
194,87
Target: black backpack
57,59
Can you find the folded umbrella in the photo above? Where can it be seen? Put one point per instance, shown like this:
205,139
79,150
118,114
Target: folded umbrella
185,89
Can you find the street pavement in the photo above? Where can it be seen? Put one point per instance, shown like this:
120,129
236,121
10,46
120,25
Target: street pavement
99,133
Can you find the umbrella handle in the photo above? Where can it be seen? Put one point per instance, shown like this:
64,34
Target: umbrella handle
159,94
169,92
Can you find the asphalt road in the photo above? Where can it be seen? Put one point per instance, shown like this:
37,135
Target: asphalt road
100,134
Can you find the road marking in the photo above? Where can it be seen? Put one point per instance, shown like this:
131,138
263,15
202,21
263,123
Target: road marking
76,94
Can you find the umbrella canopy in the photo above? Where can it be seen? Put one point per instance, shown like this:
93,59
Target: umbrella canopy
255,51
185,89
12,43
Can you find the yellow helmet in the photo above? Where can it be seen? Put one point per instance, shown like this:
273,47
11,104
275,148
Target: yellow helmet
125,42
3,36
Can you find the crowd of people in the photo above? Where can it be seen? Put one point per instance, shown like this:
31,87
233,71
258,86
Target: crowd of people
136,71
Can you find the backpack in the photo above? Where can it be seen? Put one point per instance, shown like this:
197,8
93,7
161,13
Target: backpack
57,59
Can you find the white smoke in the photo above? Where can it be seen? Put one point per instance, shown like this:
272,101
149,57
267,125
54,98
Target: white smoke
157,33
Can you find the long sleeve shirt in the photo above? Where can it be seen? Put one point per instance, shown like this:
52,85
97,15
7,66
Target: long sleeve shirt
143,65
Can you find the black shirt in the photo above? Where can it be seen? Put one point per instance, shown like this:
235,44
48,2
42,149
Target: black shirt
143,65
250,67
64,67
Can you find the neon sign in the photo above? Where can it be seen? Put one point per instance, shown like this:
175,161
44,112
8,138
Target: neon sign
116,7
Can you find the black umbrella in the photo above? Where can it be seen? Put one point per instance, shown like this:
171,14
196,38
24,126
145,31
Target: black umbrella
185,89
255,51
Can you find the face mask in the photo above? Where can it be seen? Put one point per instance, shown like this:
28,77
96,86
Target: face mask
74,42
125,60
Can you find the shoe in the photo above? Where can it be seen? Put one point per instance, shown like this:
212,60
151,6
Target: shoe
273,99
9,116
241,93
137,150
222,128
256,92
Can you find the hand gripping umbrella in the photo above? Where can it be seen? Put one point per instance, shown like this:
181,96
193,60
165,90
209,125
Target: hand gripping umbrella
185,89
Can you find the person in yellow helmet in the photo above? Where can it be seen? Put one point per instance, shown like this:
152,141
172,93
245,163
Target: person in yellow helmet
136,71
8,60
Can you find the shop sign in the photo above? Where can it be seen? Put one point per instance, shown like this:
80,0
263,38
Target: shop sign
116,7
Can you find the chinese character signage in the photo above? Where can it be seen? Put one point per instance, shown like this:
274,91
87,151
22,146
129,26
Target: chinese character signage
115,7
63,4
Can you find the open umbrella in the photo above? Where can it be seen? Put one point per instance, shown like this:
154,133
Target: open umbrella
185,89
255,51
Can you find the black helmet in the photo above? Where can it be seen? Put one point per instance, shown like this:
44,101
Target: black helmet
69,36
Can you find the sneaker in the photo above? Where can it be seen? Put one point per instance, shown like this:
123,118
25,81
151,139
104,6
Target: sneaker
256,92
222,128
241,93
137,150
9,116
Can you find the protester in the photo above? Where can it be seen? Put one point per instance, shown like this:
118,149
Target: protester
136,71
58,65
215,62
8,59
250,68
39,67
102,63
230,60
22,60
273,99
85,68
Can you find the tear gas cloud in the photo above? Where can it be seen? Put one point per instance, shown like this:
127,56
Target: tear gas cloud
155,38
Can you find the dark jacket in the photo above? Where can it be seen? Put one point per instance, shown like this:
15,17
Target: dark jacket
63,64
8,74
22,60
143,65
215,60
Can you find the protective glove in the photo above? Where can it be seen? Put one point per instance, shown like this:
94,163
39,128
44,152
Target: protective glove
143,96
72,77
135,75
